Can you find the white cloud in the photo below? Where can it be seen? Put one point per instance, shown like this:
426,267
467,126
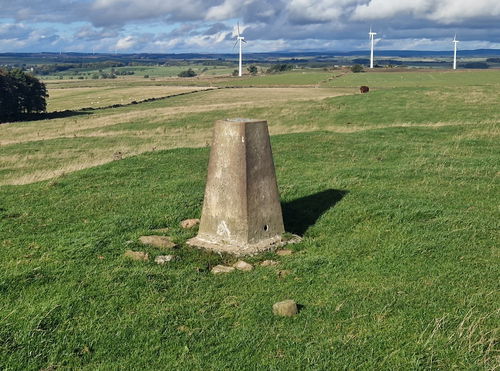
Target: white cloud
126,43
450,11
228,9
443,11
305,11
205,25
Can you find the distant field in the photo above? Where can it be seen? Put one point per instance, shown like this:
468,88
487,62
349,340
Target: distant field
143,71
75,98
443,79
300,77
33,151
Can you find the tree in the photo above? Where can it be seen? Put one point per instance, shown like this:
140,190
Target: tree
20,93
187,73
280,67
252,69
357,68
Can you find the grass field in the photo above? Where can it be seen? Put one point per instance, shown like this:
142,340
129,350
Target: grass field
440,79
150,71
395,192
83,97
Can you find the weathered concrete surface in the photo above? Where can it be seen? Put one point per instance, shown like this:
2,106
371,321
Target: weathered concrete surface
241,210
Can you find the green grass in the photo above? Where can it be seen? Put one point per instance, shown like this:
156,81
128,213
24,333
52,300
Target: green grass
417,79
280,79
395,192
397,270
151,71
380,108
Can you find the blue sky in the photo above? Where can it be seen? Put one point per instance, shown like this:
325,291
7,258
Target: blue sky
167,26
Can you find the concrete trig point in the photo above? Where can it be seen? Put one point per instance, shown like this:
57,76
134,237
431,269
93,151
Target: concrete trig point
241,210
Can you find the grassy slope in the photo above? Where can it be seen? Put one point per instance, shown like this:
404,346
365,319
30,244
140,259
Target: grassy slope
385,107
398,268
399,273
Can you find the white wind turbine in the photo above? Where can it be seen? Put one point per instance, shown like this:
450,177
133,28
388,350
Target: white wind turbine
455,42
239,39
372,36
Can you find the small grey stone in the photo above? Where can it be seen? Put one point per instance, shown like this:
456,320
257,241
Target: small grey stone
243,266
286,308
222,269
157,241
284,252
137,255
162,259
189,223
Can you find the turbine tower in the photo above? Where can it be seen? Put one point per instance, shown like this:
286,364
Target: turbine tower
372,36
455,42
239,39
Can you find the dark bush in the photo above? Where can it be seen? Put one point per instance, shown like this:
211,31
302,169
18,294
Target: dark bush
280,67
252,69
357,68
20,93
187,73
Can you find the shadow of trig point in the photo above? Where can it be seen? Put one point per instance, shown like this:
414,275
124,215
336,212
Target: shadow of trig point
241,211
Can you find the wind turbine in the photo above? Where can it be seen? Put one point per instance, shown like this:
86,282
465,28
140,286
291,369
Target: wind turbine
455,41
371,36
239,39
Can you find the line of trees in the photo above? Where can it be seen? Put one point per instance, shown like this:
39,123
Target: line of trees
20,94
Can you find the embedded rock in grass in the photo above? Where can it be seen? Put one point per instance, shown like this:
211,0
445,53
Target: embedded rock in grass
162,259
284,252
286,308
190,223
137,255
157,241
283,273
243,266
218,269
269,263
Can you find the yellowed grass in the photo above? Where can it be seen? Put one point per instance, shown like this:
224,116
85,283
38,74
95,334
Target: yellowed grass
49,162
70,160
81,97
208,101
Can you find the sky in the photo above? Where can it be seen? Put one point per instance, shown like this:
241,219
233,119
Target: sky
208,26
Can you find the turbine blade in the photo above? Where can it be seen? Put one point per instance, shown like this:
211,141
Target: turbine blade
236,43
243,41
238,28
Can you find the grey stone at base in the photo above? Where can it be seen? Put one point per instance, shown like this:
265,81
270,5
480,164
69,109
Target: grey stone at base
241,250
